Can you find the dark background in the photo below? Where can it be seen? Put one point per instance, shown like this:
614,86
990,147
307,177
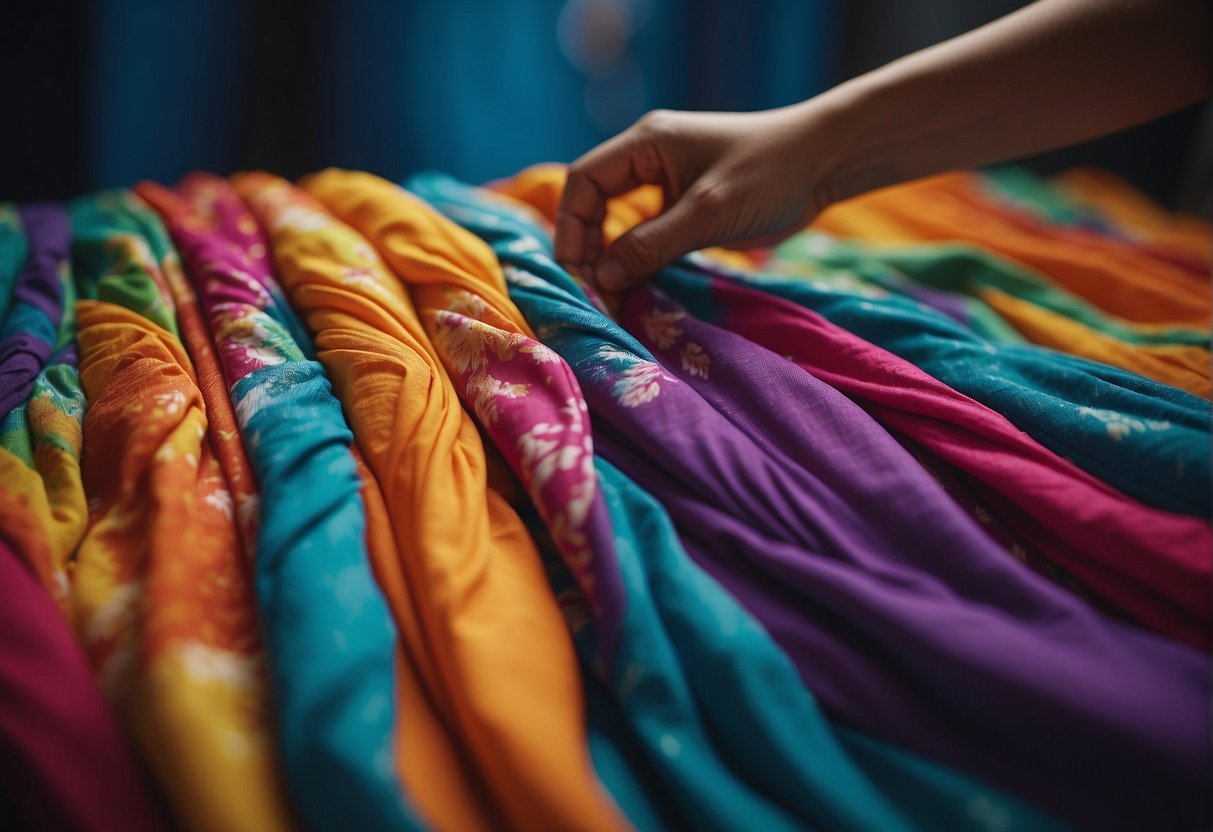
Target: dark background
103,93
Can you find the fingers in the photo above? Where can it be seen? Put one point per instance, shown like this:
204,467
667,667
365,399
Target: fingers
654,244
615,167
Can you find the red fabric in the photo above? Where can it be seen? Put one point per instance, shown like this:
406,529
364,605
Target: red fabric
64,761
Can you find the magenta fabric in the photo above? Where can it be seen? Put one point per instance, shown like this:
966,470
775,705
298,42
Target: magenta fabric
64,762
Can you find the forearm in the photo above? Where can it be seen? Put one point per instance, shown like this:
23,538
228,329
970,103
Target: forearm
1051,74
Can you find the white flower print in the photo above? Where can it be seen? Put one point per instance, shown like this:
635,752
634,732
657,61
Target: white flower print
204,663
694,360
1119,425
660,328
639,384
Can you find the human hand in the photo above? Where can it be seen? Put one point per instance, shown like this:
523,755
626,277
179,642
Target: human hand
741,179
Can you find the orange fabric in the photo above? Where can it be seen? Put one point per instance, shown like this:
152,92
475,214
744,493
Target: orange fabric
490,645
541,186
432,766
1186,367
162,597
225,433
1114,276
1112,197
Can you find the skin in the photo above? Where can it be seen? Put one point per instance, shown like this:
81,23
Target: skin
1051,74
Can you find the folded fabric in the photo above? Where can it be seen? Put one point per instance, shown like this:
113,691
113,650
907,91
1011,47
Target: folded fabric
162,593
13,252
30,330
329,635
964,268
1106,195
494,653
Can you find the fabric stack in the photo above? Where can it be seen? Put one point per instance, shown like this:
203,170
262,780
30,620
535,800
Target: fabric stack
341,504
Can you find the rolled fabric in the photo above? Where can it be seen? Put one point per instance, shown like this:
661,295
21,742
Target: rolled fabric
330,640
480,621
162,595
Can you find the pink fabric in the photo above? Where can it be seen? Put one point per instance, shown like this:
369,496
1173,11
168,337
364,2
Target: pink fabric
1152,564
64,761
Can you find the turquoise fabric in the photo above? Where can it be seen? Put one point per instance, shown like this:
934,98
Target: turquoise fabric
688,647
13,250
329,634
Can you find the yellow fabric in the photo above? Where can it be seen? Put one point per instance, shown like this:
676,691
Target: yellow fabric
1186,367
488,640
42,510
1115,199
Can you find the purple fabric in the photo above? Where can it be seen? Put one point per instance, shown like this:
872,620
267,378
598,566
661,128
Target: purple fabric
901,615
31,327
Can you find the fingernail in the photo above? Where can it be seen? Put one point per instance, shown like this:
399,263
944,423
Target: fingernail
610,275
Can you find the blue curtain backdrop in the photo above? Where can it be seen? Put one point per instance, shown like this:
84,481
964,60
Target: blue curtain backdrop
106,92
475,87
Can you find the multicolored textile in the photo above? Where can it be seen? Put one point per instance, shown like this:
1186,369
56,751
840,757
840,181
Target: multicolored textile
762,542
1149,440
329,635
527,400
42,503
741,470
1151,564
162,596
488,638
1113,274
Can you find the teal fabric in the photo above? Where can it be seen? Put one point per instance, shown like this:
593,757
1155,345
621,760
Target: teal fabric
329,633
1150,440
13,250
688,648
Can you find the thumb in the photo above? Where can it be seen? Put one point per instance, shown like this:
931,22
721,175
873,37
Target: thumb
654,244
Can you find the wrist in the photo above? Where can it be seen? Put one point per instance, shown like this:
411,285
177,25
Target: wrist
842,155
